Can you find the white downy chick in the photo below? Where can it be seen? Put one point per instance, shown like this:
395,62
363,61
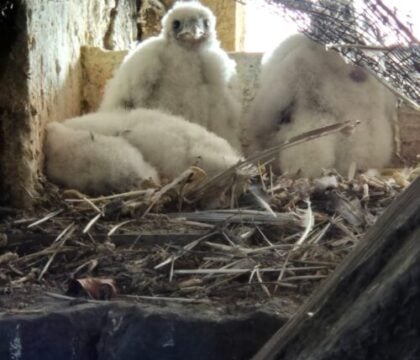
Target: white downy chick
183,71
170,143
304,87
92,163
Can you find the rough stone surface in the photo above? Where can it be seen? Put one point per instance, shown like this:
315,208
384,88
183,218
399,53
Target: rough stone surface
17,167
149,17
59,30
68,334
41,77
98,67
230,23
409,125
122,331
248,66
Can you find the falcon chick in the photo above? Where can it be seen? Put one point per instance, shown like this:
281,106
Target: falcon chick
92,163
182,71
170,143
304,87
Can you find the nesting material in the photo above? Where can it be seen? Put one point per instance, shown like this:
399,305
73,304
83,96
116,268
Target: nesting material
158,247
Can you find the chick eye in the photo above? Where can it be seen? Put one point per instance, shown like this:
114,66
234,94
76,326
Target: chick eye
176,25
206,23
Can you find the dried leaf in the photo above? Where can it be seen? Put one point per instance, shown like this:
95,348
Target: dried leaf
94,288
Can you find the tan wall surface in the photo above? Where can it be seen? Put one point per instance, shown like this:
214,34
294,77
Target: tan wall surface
230,22
409,124
41,78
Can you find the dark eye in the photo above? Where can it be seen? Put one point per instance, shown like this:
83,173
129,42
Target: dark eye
206,23
176,25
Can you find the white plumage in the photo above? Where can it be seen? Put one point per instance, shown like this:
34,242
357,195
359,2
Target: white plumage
170,143
182,71
93,163
304,87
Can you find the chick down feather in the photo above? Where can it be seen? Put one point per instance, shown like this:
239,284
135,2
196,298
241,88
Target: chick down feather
93,163
170,143
304,87
182,71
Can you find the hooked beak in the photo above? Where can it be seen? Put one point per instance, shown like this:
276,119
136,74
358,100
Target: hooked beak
193,33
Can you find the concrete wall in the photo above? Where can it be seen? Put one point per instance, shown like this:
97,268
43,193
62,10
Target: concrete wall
409,128
230,22
41,78
61,28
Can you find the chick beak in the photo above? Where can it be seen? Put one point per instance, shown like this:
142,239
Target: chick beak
192,33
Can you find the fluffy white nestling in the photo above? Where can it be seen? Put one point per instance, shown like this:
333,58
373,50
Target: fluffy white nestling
93,163
170,143
304,87
182,71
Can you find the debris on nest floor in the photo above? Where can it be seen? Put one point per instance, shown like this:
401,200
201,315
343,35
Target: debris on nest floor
281,239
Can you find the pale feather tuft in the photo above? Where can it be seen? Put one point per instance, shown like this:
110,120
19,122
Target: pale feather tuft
94,163
193,82
170,143
304,87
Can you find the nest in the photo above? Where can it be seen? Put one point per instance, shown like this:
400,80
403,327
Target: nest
367,33
281,236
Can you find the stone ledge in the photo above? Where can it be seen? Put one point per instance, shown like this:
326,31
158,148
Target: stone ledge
112,331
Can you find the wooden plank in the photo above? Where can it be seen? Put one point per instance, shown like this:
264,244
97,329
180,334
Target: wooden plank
354,313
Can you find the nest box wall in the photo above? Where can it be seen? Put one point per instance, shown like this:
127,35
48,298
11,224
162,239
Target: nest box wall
230,23
41,76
